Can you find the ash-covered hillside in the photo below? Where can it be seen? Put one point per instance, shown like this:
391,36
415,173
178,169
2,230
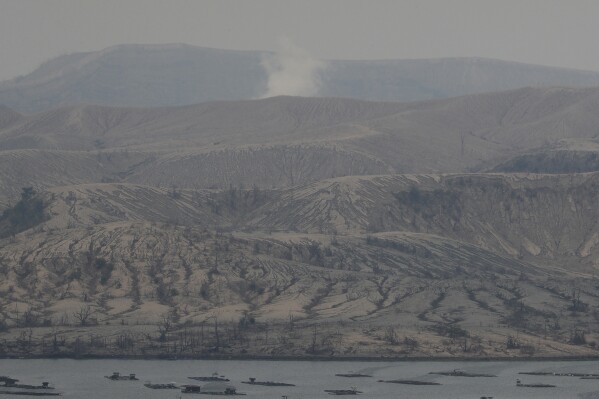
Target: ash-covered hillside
285,141
303,226
422,265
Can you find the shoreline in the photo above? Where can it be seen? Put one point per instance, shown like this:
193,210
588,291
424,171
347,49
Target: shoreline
311,358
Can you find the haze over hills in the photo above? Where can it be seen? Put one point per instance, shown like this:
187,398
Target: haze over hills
171,75
283,141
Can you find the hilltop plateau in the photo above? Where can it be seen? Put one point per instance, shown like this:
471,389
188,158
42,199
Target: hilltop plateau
177,74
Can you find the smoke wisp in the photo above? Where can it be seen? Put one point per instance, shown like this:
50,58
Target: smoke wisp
292,71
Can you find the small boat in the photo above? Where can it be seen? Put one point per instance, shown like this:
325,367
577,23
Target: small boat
253,381
460,373
520,384
170,385
591,377
352,375
410,382
118,377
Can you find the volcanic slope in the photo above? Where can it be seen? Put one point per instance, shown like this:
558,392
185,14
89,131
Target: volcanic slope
134,254
549,220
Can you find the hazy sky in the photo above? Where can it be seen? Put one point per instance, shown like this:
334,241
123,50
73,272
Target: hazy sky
550,32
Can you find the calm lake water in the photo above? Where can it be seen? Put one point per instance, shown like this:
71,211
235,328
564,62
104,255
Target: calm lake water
85,378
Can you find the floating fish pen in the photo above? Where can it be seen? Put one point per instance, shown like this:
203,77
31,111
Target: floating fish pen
13,392
5,381
118,377
460,373
213,388
12,383
520,384
45,385
10,386
252,381
410,382
547,373
353,375
342,391
191,389
213,378
170,385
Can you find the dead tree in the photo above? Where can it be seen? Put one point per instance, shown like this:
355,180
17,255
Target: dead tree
165,326
216,334
390,336
83,314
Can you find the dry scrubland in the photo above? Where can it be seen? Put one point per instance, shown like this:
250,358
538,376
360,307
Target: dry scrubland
228,229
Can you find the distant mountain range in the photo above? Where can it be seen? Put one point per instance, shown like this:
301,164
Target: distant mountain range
173,75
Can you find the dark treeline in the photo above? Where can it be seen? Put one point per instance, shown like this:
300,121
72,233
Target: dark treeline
25,214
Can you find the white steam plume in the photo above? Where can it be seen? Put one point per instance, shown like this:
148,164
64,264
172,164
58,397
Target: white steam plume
292,71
